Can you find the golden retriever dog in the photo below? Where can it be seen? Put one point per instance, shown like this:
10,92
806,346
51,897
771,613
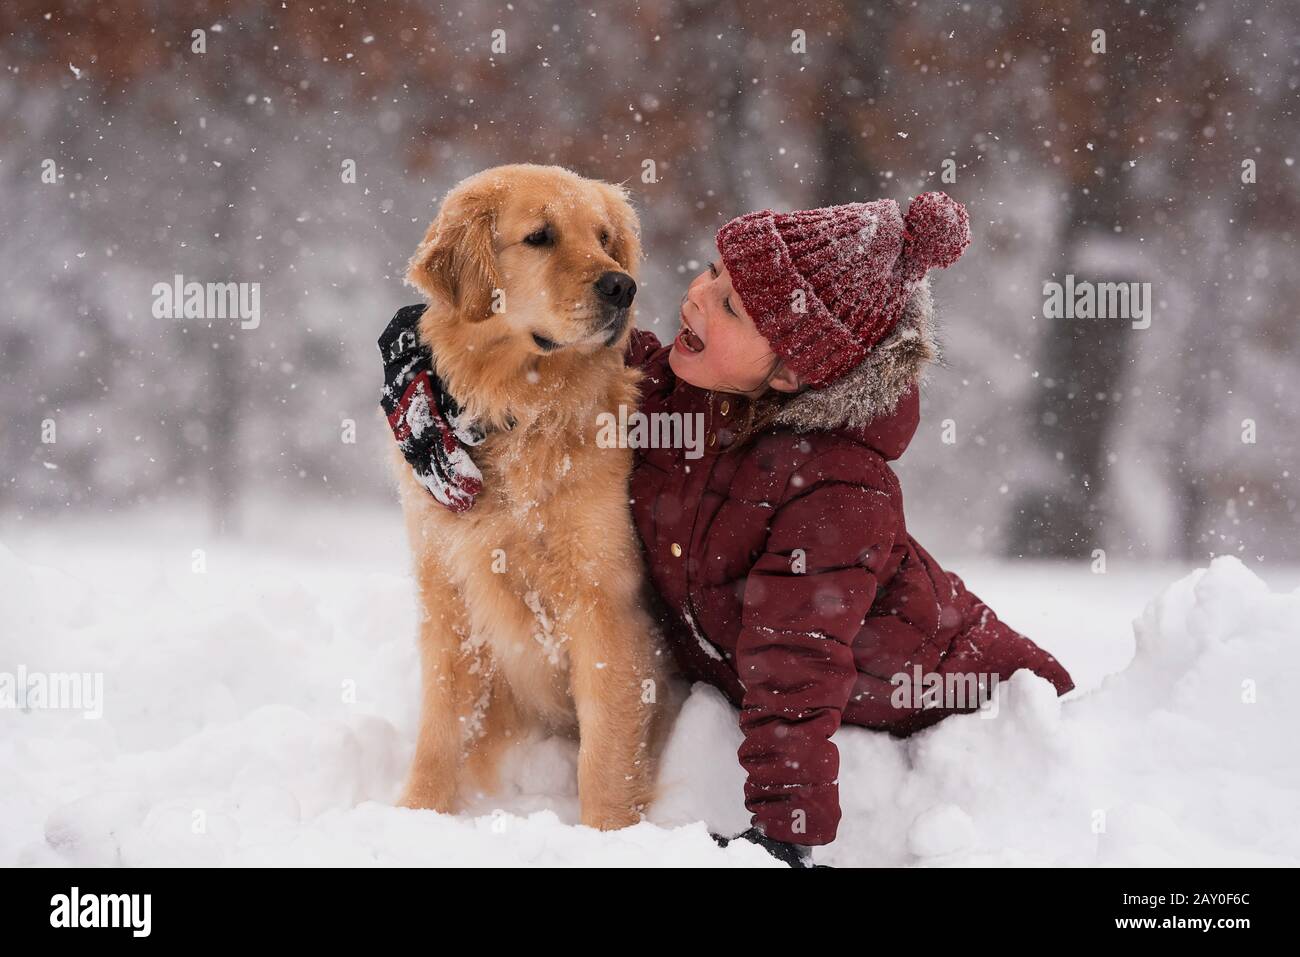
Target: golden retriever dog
530,600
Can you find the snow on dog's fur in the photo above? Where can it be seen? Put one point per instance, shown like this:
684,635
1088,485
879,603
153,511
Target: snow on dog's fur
530,600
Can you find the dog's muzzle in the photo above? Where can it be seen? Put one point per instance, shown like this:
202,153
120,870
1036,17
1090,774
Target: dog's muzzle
617,323
615,289
614,292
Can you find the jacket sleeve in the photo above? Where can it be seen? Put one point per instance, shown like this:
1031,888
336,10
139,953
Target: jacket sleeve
641,346
804,603
644,352
1001,648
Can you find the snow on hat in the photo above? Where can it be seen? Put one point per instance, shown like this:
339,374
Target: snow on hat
825,285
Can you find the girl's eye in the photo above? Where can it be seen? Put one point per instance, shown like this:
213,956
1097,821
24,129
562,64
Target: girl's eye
727,302
539,238
713,270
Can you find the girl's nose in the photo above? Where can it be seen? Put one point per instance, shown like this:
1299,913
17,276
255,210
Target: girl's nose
689,302
693,291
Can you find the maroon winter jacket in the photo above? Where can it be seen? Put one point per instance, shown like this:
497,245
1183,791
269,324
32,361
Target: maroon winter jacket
787,577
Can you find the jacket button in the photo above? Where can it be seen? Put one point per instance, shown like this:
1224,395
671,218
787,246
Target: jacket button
676,550
713,439
725,407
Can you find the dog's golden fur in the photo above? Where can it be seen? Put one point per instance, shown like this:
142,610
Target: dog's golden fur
531,615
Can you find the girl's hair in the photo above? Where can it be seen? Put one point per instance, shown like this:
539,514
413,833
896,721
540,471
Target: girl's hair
763,411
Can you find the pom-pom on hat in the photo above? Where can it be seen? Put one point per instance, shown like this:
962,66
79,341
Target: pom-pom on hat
825,285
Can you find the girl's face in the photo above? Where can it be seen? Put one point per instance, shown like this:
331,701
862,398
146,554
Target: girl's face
718,346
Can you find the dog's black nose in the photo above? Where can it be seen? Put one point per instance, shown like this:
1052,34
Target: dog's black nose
616,288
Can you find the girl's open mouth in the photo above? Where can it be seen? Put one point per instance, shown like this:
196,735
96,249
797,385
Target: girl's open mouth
688,340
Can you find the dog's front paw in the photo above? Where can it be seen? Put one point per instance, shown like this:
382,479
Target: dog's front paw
610,819
425,796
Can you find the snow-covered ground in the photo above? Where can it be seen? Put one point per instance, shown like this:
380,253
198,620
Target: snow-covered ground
262,710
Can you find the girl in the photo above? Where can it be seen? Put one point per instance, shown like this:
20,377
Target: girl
782,557
783,565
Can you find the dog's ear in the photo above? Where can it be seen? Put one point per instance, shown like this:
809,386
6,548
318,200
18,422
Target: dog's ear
456,262
625,244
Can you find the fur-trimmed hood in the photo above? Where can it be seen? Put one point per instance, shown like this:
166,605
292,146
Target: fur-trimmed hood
862,399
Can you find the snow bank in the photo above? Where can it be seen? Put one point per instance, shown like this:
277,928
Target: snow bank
262,712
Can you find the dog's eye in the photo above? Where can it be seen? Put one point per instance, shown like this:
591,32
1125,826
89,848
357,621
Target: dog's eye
539,238
604,238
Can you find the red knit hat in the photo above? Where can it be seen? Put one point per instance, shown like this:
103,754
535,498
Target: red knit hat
825,285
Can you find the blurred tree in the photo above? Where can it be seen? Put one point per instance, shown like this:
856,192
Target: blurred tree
225,165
